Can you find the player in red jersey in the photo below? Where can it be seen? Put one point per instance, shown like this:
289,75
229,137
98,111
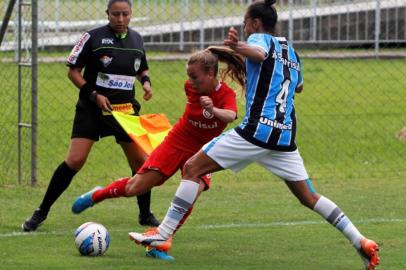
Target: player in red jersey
210,106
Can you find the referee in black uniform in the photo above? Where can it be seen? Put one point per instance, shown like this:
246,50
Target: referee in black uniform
113,59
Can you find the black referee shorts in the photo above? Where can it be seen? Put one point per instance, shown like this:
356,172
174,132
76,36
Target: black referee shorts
90,123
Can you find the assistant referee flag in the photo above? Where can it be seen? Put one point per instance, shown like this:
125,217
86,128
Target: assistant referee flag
147,130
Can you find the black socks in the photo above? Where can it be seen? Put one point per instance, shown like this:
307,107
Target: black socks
144,203
60,181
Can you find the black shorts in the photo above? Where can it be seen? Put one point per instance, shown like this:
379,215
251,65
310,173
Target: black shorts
90,123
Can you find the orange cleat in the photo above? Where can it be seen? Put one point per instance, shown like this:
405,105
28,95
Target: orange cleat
369,253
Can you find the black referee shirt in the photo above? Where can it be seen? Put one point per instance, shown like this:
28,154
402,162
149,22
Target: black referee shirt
110,62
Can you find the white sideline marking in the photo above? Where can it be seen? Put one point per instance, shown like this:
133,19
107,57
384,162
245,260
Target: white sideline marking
295,223
222,226
12,234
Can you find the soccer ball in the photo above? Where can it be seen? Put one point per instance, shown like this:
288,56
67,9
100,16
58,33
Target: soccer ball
92,239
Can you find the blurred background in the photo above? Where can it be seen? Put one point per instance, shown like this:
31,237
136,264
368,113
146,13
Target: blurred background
350,115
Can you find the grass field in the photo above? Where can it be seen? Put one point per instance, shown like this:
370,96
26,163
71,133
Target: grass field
348,116
242,223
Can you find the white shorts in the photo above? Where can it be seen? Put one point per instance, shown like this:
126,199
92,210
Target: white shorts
231,151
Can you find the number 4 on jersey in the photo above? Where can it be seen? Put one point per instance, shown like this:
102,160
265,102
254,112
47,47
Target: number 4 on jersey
282,96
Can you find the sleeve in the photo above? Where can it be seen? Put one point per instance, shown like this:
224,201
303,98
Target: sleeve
80,52
300,75
229,100
144,64
259,40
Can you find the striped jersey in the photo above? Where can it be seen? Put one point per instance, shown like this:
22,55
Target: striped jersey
270,120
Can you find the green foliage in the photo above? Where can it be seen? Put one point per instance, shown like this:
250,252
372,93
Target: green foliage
348,115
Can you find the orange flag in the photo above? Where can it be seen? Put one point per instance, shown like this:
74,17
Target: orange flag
147,130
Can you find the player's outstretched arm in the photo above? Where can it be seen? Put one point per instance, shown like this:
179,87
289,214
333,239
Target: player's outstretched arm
254,53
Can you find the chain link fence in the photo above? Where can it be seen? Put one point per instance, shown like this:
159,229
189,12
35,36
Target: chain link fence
349,115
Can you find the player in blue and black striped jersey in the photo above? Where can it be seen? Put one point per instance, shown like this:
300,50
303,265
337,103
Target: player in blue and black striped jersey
270,120
266,134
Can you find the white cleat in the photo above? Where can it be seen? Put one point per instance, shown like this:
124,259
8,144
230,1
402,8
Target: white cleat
151,238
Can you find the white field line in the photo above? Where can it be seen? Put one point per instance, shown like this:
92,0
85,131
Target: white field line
221,226
295,223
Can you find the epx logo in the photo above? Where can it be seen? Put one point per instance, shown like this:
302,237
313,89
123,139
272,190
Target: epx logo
107,41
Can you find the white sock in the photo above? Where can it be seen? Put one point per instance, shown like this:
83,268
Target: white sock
333,214
184,198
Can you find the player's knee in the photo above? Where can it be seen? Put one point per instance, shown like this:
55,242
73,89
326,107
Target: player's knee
309,201
190,170
75,163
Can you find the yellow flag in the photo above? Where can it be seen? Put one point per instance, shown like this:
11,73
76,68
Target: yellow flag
147,130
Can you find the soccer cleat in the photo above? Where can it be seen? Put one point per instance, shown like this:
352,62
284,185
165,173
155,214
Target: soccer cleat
151,238
37,218
84,201
149,220
158,254
369,253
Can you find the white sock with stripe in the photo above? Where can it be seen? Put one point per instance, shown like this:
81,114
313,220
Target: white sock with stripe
333,214
184,198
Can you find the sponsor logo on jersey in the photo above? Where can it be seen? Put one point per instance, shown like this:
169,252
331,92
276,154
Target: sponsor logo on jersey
106,60
207,114
274,123
126,108
199,124
137,64
286,62
114,81
77,49
107,41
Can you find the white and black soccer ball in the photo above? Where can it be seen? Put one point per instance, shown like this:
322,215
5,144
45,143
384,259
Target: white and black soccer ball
92,239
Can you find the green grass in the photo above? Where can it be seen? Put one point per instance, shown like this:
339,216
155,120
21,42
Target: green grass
243,222
348,116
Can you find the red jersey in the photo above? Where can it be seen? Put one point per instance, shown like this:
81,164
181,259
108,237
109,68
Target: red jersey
196,126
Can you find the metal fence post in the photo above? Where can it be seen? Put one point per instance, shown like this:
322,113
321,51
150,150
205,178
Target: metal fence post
184,12
6,19
19,89
201,41
57,16
290,28
314,20
377,27
34,90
